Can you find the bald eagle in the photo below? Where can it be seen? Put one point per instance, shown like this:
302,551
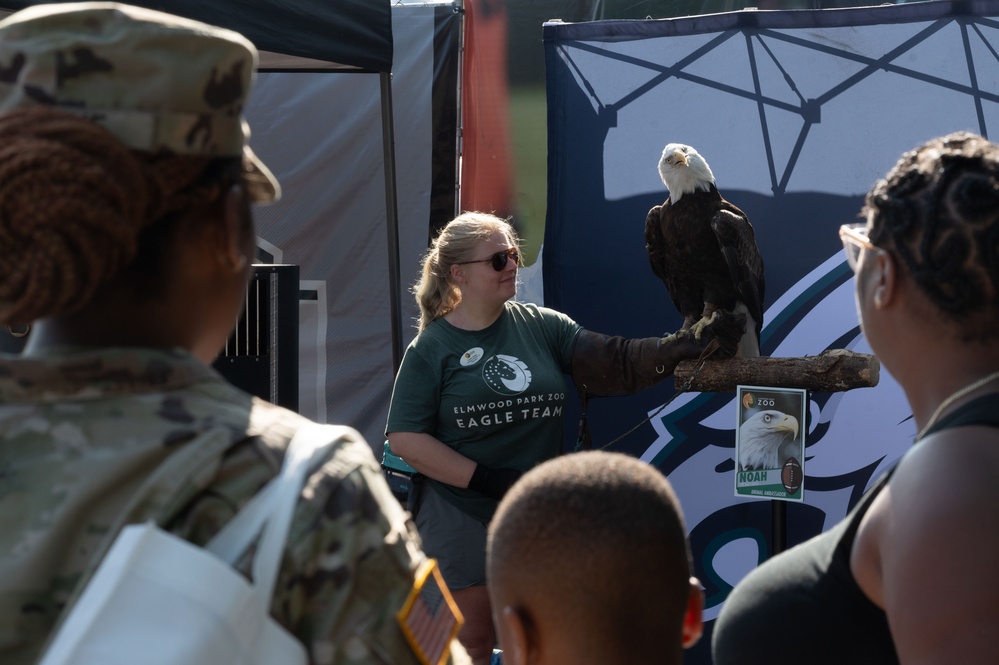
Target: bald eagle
704,249
767,440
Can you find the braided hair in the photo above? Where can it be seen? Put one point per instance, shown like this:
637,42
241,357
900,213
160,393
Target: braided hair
435,293
78,208
937,211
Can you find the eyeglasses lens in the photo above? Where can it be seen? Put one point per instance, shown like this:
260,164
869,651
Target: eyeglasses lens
500,259
854,239
852,254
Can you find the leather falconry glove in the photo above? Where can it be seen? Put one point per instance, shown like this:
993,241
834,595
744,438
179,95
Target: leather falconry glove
605,366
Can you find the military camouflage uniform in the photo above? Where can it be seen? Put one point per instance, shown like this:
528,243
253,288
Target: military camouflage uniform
79,432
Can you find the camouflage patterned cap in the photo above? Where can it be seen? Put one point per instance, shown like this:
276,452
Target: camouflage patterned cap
157,82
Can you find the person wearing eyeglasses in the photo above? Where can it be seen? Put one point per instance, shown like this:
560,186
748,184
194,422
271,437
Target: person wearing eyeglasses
480,394
910,575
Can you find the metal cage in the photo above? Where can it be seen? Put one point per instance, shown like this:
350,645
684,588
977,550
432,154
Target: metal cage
261,355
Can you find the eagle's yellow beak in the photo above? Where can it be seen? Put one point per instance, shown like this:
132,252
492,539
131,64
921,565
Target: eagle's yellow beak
680,157
787,424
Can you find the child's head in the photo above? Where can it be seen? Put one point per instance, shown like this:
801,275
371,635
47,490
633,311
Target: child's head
588,562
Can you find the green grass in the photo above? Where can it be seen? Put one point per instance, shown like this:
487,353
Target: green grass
529,136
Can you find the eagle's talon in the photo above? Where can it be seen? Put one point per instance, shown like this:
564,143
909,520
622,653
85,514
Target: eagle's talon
698,328
674,337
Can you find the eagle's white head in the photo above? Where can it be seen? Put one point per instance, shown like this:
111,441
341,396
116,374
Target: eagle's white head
683,170
767,439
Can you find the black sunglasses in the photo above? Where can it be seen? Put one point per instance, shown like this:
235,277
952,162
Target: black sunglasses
499,259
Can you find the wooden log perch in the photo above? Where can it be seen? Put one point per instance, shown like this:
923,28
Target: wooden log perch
831,371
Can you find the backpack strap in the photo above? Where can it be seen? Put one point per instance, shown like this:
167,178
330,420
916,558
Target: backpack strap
310,442
162,489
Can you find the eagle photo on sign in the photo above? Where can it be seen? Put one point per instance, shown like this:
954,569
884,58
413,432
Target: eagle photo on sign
770,442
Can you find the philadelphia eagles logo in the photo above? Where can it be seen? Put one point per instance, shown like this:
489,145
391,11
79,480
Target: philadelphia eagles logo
695,444
506,375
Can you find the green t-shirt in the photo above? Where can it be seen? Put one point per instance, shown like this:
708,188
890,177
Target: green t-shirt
496,395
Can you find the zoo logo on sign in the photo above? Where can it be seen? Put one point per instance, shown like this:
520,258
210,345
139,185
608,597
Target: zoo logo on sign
506,375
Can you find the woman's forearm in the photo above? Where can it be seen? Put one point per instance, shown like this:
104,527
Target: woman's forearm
432,458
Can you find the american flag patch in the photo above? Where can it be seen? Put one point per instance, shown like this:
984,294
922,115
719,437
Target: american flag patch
429,618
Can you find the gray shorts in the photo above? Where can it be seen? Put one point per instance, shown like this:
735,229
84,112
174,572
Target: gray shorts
455,539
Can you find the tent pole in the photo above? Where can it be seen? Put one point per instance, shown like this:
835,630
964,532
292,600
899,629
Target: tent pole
391,218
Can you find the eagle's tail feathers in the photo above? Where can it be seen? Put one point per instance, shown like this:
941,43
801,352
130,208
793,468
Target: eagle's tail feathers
749,344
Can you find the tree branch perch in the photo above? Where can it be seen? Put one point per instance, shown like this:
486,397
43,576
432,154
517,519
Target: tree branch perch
831,371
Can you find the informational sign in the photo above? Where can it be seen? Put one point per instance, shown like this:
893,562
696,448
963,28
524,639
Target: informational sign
770,443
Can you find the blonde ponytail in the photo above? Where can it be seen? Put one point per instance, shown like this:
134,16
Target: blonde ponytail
436,294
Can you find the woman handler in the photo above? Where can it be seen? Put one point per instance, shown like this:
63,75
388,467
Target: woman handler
480,394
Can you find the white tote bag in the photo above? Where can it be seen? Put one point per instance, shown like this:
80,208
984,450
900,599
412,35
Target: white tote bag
158,600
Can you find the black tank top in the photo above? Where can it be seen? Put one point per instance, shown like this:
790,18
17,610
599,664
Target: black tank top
804,605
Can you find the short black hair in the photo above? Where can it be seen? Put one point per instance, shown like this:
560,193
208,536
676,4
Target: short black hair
597,538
